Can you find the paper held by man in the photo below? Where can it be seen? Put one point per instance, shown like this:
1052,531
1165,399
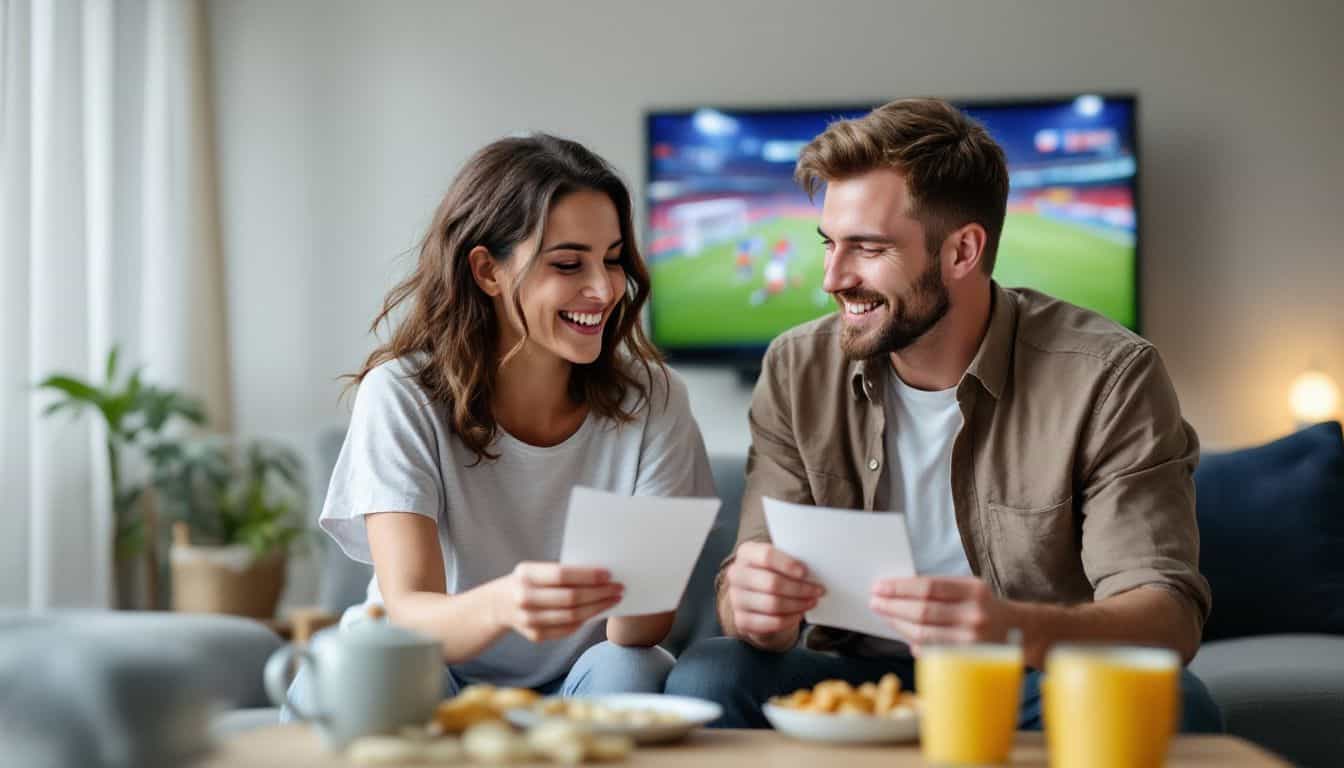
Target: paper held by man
845,551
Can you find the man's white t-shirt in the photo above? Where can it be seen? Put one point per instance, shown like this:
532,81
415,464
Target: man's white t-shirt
401,455
921,428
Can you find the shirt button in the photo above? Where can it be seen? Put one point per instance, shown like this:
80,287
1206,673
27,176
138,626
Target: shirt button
873,464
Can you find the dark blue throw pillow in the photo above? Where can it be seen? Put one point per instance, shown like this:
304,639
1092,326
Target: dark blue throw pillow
1271,526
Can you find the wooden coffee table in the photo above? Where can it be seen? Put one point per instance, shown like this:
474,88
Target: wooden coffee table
296,746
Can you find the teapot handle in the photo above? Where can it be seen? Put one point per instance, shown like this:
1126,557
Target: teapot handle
278,680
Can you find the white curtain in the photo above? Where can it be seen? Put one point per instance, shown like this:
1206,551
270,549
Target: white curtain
108,234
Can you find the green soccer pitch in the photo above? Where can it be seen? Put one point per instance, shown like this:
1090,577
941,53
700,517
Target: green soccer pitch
703,300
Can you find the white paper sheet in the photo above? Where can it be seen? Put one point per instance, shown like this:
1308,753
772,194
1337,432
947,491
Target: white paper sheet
846,552
648,543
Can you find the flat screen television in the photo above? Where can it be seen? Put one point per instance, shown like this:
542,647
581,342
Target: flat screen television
732,241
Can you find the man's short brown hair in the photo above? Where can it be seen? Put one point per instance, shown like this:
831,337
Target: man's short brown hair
955,173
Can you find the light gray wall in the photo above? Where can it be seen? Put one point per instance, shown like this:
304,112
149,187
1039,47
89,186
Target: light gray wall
340,124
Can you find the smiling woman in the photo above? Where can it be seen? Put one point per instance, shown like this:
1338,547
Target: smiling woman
519,370
530,216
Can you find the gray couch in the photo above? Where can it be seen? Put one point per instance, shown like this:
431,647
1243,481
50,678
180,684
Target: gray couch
1284,692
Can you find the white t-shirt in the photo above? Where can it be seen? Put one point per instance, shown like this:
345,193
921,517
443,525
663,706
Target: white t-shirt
401,455
921,427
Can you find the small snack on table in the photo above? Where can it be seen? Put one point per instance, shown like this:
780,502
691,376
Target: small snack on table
478,704
495,743
555,740
412,747
580,711
477,713
569,744
441,751
881,699
643,718
384,750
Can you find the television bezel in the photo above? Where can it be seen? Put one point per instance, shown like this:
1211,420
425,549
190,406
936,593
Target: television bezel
748,356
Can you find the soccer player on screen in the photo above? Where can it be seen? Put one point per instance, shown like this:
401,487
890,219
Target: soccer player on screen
745,248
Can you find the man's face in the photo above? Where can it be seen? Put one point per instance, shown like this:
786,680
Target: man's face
889,288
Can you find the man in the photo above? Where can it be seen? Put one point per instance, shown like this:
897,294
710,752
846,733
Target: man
1037,449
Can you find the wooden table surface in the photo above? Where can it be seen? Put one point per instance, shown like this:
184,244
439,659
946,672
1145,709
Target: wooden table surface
296,746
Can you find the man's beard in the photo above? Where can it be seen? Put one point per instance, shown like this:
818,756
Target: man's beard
912,316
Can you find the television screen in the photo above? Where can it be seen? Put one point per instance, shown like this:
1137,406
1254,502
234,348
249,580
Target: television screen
733,246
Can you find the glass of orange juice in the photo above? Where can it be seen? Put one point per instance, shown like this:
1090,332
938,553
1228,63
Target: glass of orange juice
1110,706
969,697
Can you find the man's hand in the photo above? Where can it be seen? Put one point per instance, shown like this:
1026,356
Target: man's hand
934,609
768,593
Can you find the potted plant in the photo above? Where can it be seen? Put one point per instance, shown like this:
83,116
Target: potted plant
135,414
238,511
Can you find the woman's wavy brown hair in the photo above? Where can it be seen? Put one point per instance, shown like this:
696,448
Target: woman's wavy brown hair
500,198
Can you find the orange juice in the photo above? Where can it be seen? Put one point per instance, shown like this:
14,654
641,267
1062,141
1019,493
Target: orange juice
1110,706
969,697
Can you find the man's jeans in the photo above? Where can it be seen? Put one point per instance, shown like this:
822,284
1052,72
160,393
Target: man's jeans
740,678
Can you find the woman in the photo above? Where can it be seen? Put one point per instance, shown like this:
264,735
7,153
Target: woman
518,371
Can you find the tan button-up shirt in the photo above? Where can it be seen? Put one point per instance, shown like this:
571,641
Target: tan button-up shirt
1071,475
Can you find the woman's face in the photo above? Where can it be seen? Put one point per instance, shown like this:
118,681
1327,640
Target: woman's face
576,282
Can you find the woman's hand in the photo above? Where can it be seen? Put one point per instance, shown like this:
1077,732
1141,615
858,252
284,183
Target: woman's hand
545,601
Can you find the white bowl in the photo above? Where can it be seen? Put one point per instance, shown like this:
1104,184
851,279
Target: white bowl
846,729
692,713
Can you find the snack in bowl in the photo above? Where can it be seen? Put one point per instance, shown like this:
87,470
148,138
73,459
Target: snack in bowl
644,718
835,711
581,711
882,699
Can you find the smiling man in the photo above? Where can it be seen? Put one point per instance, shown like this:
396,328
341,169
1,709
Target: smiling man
1037,449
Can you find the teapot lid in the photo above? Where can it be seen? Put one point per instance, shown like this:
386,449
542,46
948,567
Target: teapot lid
382,633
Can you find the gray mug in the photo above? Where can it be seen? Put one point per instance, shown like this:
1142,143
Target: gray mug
368,679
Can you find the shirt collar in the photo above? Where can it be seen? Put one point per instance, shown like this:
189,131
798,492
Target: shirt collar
995,356
867,377
989,366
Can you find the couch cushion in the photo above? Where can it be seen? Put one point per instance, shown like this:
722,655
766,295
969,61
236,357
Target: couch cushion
233,722
1283,692
697,616
109,690
232,649
1271,525
344,581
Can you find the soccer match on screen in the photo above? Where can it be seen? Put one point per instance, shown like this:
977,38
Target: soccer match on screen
733,244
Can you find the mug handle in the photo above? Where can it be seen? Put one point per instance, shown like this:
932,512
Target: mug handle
278,680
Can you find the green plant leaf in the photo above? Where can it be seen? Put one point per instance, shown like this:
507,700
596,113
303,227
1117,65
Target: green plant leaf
74,405
73,388
161,405
164,452
232,494
189,486
288,466
189,408
126,502
112,363
125,403
130,540
117,405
